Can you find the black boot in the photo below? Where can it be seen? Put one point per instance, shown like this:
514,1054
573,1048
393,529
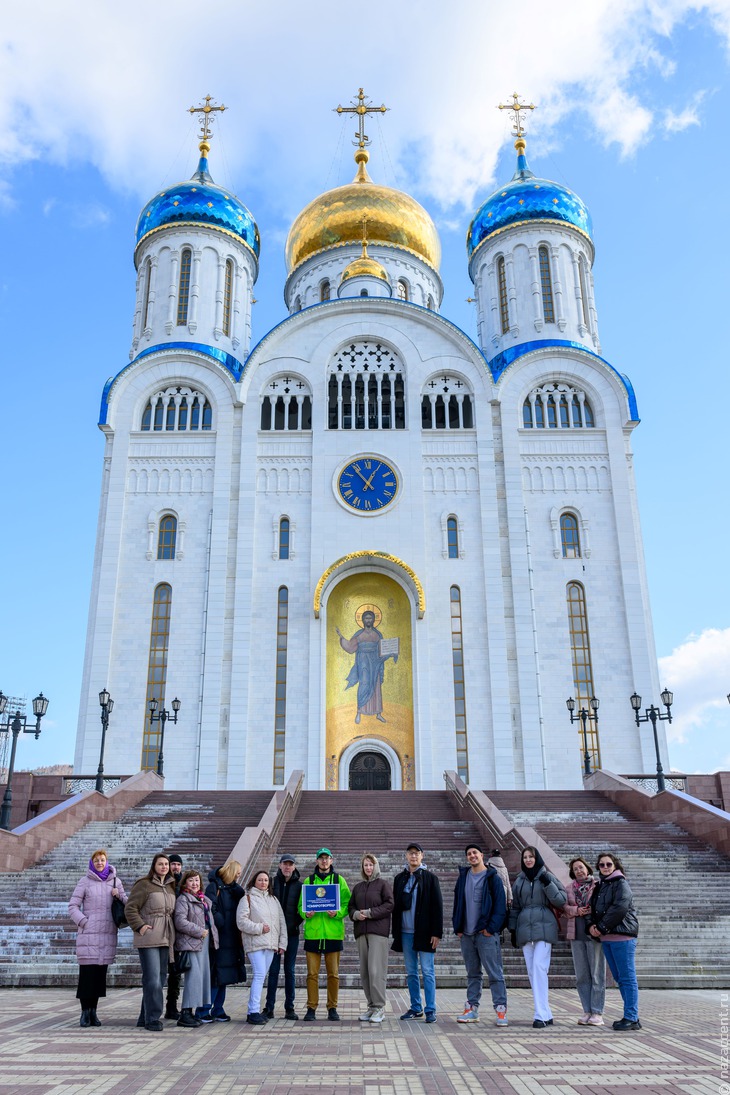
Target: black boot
187,1019
95,1020
85,1020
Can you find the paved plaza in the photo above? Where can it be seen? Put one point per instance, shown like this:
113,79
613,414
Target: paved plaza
43,1051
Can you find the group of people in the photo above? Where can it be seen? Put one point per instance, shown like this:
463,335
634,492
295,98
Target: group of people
200,937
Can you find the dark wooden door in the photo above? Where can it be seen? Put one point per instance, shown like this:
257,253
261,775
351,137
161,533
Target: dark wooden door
370,772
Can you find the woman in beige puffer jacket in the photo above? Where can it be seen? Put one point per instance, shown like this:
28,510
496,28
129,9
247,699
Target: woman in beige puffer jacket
150,910
260,919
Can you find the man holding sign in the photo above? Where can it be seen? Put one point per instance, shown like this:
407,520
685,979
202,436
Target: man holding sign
323,905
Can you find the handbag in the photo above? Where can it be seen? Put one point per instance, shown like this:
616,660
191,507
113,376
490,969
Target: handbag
119,916
183,961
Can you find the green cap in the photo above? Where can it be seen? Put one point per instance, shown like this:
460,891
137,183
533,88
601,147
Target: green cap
324,851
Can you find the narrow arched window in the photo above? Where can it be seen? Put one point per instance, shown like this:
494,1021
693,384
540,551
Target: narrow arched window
401,289
156,671
284,534
182,414
166,537
584,291
147,416
582,667
363,293
569,536
170,414
527,415
195,414
546,285
147,289
282,639
227,297
183,293
324,290
207,416
429,303
457,662
503,302
297,304
159,414
452,538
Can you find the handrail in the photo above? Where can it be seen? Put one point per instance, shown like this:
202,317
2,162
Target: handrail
498,828
257,843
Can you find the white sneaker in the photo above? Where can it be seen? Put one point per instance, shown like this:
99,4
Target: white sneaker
378,1015
595,1021
367,1016
585,1019
469,1015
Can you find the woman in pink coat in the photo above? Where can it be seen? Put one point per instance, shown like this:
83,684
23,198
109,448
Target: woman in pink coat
90,908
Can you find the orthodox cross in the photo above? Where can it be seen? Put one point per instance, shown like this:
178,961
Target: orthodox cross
362,108
205,122
515,108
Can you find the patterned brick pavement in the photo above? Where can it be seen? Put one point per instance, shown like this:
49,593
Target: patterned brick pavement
43,1051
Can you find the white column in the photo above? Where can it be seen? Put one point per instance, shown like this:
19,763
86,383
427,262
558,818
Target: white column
194,292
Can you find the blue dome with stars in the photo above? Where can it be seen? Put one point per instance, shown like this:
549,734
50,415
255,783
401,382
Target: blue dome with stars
524,199
199,201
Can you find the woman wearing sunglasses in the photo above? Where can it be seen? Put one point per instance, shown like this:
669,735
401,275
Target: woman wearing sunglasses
614,922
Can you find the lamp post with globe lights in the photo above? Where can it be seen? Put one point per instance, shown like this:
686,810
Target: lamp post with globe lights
107,705
162,717
654,715
584,715
15,725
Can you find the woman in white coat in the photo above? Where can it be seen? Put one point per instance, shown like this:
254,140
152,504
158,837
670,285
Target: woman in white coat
260,919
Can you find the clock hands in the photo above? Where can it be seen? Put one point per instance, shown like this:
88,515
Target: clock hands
367,482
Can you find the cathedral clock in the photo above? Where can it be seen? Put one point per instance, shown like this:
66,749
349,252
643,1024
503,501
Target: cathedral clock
367,484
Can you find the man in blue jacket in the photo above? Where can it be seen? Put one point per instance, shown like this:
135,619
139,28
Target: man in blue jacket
480,908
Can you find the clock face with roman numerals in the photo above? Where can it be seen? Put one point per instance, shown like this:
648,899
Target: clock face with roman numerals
367,485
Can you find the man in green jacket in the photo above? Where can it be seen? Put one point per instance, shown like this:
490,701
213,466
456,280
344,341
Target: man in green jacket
323,935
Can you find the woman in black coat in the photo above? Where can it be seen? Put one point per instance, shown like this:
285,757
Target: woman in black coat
228,967
614,921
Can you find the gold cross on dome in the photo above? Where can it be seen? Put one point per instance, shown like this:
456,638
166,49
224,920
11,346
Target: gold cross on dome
205,122
362,107
515,108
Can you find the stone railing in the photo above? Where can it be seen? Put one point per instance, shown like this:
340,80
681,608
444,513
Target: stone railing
497,829
28,843
257,844
649,783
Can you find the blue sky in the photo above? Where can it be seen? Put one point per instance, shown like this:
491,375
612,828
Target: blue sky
631,115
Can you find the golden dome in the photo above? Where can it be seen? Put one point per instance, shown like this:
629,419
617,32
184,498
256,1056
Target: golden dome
335,218
364,266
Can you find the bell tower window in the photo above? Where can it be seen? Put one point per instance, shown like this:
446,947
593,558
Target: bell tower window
503,301
183,295
227,297
546,284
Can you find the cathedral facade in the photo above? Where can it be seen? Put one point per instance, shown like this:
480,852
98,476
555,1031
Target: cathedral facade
368,547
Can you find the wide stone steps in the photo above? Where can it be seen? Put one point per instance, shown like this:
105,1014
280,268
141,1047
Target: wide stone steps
681,886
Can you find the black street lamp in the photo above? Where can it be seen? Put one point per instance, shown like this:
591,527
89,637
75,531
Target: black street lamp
162,717
654,715
107,706
14,726
585,716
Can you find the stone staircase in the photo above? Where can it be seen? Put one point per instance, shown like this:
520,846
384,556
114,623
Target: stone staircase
385,822
681,886
37,937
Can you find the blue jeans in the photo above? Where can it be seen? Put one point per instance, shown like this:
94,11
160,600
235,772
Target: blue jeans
290,957
483,950
218,999
428,972
620,958
153,961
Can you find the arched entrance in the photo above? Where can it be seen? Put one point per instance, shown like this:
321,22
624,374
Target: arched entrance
369,772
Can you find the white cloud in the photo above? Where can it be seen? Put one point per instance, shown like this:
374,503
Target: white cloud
110,84
698,672
675,122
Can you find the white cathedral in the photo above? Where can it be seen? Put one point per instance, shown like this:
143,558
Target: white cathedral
368,547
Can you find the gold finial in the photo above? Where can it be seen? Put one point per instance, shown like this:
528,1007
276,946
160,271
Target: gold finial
516,108
205,122
362,107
